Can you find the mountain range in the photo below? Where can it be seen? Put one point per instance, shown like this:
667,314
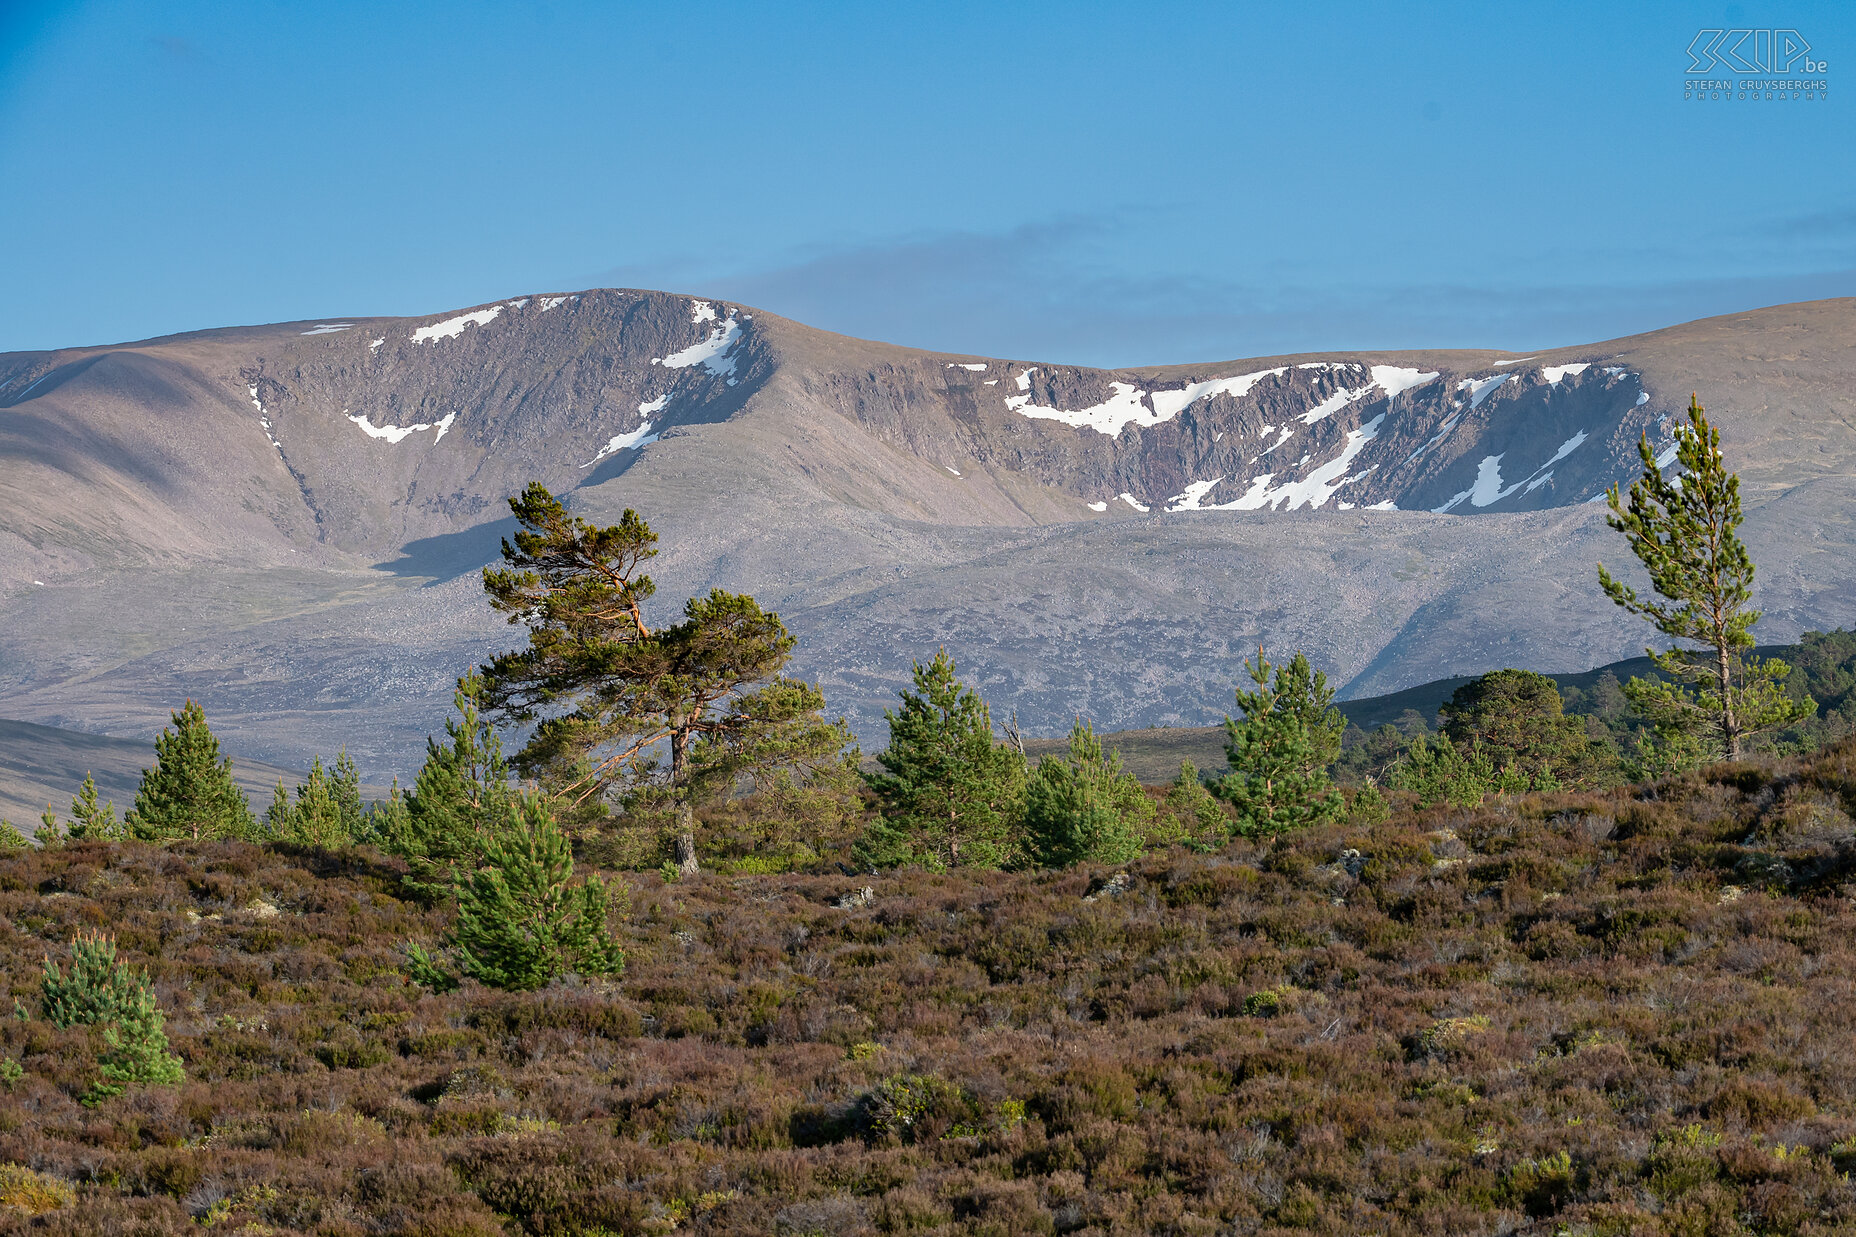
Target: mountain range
285,522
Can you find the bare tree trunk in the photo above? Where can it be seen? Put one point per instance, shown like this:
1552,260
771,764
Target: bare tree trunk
1730,728
685,840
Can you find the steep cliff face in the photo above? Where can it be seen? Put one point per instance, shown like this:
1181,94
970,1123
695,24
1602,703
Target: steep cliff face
286,521
1290,435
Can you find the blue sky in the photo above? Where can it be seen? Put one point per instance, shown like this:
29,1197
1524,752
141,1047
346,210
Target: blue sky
1109,184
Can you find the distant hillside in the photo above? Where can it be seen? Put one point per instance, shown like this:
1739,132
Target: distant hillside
42,765
1153,755
284,522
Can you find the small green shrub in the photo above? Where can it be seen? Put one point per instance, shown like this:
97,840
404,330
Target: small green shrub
1265,1004
34,1193
99,991
1543,1186
914,1108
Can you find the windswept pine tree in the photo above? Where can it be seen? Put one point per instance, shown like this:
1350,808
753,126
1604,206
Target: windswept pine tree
948,795
1682,528
607,693
190,792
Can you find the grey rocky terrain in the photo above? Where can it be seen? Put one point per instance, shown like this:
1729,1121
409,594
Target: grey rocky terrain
285,522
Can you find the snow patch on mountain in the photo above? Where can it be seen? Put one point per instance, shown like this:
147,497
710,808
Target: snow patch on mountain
451,328
1169,404
1108,417
1332,404
1484,490
264,419
629,441
712,352
327,328
1288,431
1133,502
1487,489
1481,388
1314,490
1566,448
1128,404
1393,379
398,433
1553,373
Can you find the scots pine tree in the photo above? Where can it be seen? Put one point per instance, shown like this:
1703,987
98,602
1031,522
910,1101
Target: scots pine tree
102,992
1086,809
135,1049
190,792
1517,719
797,769
90,819
948,796
1682,529
1280,749
1439,771
1198,819
278,816
608,694
94,991
460,798
385,819
327,812
521,922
